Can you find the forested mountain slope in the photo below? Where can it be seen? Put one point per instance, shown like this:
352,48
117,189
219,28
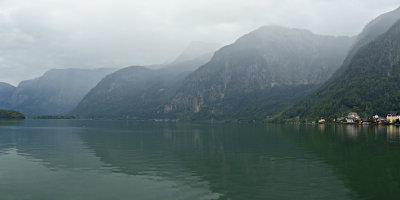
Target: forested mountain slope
369,85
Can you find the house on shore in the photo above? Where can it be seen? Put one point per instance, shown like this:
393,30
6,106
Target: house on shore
378,120
393,117
350,121
352,118
353,115
340,120
375,118
364,121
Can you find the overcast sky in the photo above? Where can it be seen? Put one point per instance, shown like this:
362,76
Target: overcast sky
37,35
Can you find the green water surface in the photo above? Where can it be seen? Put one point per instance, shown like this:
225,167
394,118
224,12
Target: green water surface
76,159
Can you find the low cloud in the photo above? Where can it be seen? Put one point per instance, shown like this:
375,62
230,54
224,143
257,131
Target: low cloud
39,35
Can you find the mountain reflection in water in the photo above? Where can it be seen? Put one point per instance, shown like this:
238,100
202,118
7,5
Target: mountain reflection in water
67,159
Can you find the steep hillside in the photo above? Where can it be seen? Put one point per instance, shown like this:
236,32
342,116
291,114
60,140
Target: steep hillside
371,31
369,85
136,92
6,91
375,28
57,92
262,72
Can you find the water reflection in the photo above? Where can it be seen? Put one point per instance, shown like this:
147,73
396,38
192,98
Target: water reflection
352,130
55,163
321,127
120,159
393,133
11,122
366,161
238,162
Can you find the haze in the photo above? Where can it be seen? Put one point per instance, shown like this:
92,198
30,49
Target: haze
36,36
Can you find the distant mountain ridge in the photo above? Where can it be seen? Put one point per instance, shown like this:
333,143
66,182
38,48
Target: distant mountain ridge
271,68
6,92
192,57
197,50
57,92
256,77
136,92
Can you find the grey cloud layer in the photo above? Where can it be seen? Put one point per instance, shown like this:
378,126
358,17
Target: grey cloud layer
39,35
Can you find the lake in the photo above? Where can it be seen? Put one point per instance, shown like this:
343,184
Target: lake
77,159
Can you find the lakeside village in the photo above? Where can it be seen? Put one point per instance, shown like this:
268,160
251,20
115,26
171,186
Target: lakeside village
392,118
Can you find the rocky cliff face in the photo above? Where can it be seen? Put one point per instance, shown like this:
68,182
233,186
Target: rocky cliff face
258,65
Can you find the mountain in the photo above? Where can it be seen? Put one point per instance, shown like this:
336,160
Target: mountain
375,28
369,85
192,57
57,92
177,67
260,74
136,92
371,31
6,91
8,114
197,50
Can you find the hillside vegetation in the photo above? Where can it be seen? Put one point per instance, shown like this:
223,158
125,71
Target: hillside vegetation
369,85
8,114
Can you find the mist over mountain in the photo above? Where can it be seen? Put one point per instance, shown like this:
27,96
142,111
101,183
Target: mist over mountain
257,76
371,31
197,50
262,72
199,99
192,57
375,28
57,92
370,84
137,92
6,92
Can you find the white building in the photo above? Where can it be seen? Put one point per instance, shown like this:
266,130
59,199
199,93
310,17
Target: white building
353,115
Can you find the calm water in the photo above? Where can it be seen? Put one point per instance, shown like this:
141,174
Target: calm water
47,159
